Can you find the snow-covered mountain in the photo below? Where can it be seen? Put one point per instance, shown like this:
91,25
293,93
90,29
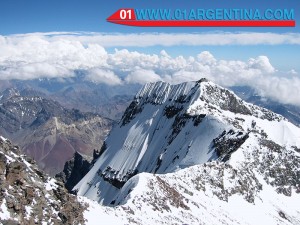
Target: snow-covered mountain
195,153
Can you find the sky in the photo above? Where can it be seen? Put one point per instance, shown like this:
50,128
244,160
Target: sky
53,38
24,16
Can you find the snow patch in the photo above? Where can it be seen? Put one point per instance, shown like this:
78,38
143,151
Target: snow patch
50,184
4,213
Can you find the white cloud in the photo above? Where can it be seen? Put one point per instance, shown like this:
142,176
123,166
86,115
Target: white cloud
60,54
280,89
206,58
98,76
171,39
262,63
32,57
142,76
293,72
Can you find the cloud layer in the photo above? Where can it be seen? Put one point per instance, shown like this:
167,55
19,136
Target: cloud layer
59,55
171,39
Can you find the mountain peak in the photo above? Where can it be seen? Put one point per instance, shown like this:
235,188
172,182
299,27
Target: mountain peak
171,127
198,97
159,92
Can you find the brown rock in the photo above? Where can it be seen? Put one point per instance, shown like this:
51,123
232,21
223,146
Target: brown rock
15,172
2,164
29,194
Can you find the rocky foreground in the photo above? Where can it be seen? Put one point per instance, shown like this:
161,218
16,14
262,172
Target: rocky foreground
28,196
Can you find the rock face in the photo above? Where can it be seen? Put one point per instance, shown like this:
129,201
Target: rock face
28,196
74,170
47,131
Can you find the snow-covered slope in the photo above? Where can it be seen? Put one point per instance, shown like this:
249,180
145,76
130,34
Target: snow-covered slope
258,185
213,193
171,127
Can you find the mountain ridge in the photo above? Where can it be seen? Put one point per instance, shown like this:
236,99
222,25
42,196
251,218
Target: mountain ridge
171,127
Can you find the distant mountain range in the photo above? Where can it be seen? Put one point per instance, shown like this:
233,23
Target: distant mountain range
47,131
111,102
78,93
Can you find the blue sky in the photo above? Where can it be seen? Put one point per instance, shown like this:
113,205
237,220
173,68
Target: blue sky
264,58
23,16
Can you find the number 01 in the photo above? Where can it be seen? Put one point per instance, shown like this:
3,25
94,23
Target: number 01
124,13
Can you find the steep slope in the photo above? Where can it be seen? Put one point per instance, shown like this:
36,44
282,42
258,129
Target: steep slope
74,170
171,127
47,131
28,196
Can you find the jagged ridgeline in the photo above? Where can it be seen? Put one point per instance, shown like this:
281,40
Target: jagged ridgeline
168,128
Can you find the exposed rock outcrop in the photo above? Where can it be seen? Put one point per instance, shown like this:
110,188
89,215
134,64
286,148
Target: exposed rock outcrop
28,196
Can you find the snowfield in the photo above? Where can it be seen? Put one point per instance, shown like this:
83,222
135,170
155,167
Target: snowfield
176,198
